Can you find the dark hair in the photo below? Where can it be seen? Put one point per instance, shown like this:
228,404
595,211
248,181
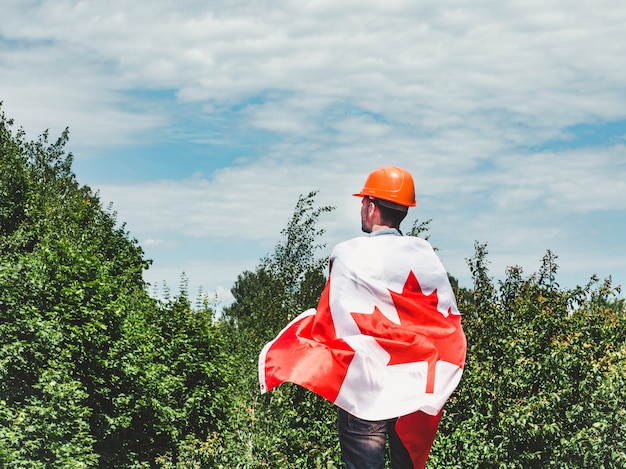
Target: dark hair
389,216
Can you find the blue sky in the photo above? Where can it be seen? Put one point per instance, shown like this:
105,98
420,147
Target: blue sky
202,122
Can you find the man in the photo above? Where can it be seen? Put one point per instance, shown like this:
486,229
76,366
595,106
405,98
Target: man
385,343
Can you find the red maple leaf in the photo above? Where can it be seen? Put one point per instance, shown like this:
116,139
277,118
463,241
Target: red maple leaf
423,333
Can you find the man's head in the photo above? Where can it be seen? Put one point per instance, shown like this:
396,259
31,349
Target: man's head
387,195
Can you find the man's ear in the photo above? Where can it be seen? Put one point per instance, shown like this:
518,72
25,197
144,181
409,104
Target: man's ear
374,212
371,208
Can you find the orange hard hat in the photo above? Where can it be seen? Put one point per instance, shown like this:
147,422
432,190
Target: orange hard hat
392,184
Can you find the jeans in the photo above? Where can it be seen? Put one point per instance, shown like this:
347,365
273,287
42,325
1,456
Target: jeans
363,443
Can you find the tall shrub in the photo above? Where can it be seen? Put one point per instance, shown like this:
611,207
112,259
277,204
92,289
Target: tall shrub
289,427
543,383
65,272
93,372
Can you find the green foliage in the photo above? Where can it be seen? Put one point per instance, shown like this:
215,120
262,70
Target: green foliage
289,427
50,428
175,358
64,271
544,378
93,372
420,229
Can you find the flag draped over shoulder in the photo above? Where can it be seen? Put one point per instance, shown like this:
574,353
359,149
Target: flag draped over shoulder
385,339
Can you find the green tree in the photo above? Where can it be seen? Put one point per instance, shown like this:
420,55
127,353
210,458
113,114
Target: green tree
543,382
64,272
180,374
93,372
289,427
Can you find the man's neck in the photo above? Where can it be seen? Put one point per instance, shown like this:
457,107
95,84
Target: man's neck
376,227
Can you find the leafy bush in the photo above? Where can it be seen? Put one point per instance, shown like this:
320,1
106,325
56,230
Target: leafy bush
66,271
544,378
289,427
93,372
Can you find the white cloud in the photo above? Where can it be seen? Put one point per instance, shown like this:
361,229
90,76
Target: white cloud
443,59
461,94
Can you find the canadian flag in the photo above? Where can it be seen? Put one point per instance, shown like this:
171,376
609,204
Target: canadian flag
385,340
